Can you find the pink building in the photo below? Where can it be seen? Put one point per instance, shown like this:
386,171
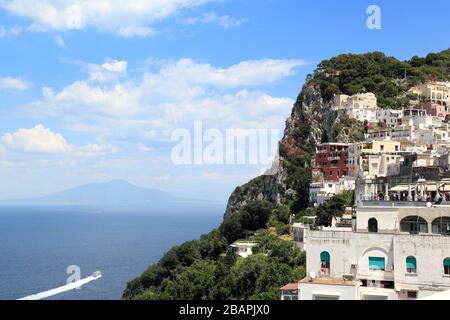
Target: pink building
436,110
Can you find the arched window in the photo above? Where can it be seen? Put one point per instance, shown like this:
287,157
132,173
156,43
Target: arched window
411,265
325,263
414,225
447,266
441,225
373,225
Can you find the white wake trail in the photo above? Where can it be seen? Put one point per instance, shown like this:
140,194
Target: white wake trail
68,287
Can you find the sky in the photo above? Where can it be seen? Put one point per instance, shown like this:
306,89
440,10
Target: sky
93,91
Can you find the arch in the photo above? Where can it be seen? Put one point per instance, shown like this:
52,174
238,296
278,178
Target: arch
441,225
414,225
325,263
447,266
373,225
411,265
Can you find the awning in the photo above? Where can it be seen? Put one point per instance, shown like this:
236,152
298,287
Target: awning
401,188
442,187
405,287
326,294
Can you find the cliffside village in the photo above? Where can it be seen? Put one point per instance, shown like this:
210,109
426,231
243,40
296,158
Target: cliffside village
394,244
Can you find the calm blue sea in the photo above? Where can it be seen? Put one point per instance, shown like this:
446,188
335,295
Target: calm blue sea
37,246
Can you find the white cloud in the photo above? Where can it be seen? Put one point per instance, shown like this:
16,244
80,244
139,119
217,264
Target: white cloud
60,42
10,83
246,73
136,31
110,70
212,17
180,90
38,139
6,32
126,18
42,140
95,150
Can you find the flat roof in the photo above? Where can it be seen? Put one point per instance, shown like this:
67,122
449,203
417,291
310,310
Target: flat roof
244,244
290,286
328,281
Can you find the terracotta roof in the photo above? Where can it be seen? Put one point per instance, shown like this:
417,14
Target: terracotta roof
290,286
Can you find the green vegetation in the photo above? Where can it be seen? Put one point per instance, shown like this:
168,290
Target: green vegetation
353,128
332,208
374,72
208,268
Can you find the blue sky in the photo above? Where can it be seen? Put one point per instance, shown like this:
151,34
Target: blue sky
92,91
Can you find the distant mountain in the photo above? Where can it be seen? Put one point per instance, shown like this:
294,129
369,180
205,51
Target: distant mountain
117,195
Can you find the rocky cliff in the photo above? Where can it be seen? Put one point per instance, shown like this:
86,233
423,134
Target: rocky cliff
259,210
311,121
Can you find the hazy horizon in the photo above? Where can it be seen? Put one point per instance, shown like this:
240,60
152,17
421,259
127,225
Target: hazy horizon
91,97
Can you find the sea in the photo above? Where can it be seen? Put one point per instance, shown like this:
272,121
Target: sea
38,245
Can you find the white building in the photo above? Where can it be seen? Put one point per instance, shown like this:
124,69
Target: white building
377,158
390,117
244,249
393,252
420,119
362,107
404,133
321,191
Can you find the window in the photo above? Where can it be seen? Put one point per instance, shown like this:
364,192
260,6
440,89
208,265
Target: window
414,225
412,294
377,264
411,265
441,226
373,225
447,266
325,263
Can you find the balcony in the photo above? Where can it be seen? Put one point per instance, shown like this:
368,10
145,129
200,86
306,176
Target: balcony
377,275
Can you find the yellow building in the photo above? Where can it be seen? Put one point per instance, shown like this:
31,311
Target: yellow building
436,92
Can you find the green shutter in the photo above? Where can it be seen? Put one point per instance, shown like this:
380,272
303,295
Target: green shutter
411,263
324,256
447,262
377,263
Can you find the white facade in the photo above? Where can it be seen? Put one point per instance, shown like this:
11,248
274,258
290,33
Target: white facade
362,107
362,114
377,254
244,249
319,192
327,289
389,117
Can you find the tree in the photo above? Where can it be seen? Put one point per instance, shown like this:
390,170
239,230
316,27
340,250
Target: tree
255,215
194,283
334,207
231,228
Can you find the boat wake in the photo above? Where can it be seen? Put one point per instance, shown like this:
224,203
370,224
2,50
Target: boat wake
74,285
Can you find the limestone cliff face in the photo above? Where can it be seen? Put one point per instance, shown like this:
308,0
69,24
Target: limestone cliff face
311,117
